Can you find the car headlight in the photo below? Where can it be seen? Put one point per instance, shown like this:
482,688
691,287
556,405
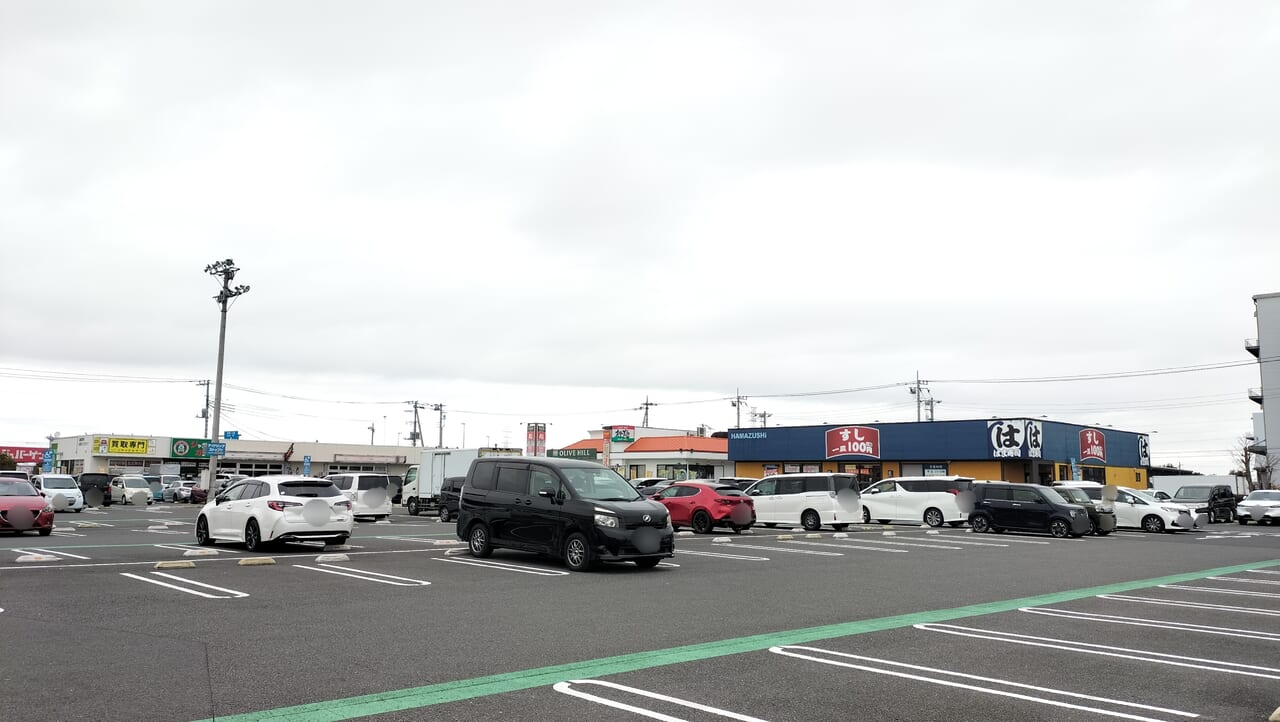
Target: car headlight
1074,513
607,520
48,507
1173,509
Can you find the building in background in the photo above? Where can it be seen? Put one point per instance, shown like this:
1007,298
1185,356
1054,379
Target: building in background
1266,348
637,452
1012,449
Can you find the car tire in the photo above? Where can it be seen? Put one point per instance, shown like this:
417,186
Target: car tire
202,532
701,522
1243,522
933,517
839,527
866,515
1153,524
1059,529
577,553
1093,529
253,537
444,515
478,541
46,531
647,562
956,524
810,520
413,507
980,523
1102,533
741,528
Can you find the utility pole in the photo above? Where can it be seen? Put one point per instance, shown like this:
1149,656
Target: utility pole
440,408
929,404
737,402
464,434
918,389
204,413
371,432
763,416
416,435
647,403
226,270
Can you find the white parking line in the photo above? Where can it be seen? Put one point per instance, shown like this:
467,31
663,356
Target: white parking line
735,545
1190,605
922,545
950,539
230,593
860,548
740,557
52,553
1262,571
1155,623
1244,581
786,651
567,688
1071,645
366,575
189,547
505,567
66,533
1215,590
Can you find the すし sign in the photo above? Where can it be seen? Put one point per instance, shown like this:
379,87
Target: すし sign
1093,445
855,440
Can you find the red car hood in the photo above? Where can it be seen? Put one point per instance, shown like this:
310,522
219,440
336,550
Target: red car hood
34,503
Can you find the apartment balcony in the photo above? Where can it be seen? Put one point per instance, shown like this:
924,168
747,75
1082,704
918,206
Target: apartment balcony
1256,396
1251,345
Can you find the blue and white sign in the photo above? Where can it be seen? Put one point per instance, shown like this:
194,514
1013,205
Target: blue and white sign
46,461
306,466
214,448
231,435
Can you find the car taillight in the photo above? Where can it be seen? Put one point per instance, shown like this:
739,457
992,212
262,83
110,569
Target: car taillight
343,505
281,505
726,501
955,492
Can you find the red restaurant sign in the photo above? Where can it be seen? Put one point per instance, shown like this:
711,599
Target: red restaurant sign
859,440
1093,445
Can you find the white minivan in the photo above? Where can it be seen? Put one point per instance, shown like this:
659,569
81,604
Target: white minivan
933,500
370,494
808,500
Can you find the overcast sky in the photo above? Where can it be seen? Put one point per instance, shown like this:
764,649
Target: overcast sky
551,211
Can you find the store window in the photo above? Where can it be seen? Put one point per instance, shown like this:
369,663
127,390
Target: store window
344,468
1094,473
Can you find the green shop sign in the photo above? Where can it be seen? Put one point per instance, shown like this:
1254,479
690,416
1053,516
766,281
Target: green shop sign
187,448
589,454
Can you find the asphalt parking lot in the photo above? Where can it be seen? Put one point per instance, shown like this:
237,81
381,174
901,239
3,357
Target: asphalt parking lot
879,623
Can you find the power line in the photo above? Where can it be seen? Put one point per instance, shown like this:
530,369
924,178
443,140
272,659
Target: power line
1111,375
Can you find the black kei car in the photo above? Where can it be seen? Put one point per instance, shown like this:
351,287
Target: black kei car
1001,506
579,511
449,491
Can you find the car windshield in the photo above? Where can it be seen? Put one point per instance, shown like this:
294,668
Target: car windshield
309,488
729,491
1264,496
1192,492
1053,496
600,485
13,487
57,483
136,483
1074,496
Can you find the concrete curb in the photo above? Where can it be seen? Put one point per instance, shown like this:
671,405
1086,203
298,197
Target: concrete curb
785,537
257,562
200,553
176,565
36,558
721,540
333,558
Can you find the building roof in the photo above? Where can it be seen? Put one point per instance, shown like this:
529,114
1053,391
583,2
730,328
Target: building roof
704,444
596,444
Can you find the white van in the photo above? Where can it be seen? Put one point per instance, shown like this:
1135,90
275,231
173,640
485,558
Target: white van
807,500
370,494
933,500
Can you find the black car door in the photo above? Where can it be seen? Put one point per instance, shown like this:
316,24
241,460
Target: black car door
536,517
510,493
1031,509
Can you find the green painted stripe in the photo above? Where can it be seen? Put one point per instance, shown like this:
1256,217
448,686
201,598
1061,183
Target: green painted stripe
417,697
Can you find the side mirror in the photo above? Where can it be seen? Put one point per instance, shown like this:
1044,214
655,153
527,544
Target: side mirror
219,499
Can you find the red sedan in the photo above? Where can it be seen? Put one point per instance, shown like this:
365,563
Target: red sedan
703,505
22,508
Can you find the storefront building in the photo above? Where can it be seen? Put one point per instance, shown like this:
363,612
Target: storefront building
640,452
1013,449
117,454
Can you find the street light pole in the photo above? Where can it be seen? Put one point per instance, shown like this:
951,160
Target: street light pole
226,270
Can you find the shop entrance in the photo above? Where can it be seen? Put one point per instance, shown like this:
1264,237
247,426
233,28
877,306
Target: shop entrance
867,474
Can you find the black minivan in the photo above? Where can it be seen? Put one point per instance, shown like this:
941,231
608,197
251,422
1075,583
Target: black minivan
96,488
580,511
998,506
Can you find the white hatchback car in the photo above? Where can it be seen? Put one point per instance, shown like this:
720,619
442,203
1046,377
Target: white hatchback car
60,485
370,494
933,500
268,509
131,489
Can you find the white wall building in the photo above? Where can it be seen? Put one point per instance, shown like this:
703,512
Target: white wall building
1266,348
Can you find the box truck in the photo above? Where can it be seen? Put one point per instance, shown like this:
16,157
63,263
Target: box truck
422,481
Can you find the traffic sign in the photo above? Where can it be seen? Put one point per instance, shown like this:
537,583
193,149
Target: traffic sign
47,461
306,466
231,435
214,448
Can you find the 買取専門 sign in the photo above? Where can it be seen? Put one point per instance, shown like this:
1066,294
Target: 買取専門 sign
123,445
188,448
